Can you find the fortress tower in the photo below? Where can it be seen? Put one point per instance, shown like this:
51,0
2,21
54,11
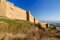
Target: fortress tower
2,7
27,15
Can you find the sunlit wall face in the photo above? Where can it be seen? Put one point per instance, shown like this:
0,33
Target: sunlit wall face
41,9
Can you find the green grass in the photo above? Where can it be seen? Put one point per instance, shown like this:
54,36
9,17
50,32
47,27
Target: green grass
15,25
21,27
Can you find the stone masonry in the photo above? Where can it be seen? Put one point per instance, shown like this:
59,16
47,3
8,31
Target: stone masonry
7,9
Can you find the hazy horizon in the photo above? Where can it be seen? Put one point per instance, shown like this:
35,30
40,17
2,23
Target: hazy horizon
45,10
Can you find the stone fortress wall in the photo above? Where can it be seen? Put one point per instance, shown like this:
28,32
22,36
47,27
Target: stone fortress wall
15,12
8,9
2,7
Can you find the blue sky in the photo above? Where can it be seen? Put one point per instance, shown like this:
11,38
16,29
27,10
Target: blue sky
45,10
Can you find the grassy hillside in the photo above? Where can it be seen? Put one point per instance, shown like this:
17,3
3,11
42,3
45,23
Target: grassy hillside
7,25
24,30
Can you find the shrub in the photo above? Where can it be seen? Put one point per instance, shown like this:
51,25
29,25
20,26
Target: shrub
50,28
39,26
54,28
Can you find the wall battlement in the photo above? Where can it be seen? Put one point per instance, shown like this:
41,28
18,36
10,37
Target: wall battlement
7,9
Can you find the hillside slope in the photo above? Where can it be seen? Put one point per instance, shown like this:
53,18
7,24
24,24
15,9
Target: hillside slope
24,30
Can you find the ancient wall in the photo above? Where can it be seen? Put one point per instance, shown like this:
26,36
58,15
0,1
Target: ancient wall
27,16
2,7
15,12
31,18
7,9
37,21
43,24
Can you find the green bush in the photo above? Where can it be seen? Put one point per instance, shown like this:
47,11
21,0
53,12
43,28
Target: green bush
50,28
39,26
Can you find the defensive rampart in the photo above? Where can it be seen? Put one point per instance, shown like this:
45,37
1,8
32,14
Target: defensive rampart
7,9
